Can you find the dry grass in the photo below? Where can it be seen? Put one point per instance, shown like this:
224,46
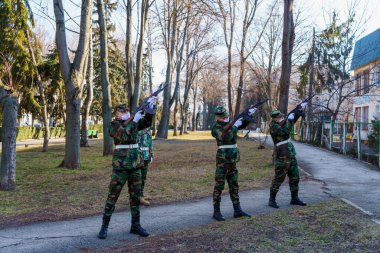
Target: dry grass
183,169
327,227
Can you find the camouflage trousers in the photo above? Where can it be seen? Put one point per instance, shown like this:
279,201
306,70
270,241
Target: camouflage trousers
144,172
226,171
118,180
287,166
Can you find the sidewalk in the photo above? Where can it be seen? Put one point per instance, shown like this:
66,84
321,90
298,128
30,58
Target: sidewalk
74,235
344,177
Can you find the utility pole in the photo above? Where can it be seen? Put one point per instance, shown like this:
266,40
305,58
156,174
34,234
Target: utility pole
311,79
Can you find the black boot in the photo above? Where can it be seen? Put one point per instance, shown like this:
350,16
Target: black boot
136,227
238,212
217,214
272,199
103,230
295,200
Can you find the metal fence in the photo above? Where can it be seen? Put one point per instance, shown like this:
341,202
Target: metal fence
356,139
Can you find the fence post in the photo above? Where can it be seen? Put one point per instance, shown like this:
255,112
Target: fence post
344,138
359,141
323,126
331,134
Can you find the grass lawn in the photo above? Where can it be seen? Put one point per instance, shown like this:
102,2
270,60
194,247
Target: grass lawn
332,226
183,169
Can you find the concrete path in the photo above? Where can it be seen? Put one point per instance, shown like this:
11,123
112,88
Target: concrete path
79,234
354,181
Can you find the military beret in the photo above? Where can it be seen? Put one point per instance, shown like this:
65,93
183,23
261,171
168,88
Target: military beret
276,114
220,111
121,108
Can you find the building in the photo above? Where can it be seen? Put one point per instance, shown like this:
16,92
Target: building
366,73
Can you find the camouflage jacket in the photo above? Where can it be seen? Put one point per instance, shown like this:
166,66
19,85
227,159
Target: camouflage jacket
145,143
280,133
228,155
128,134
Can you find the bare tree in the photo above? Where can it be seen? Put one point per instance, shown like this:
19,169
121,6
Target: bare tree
288,37
89,86
106,89
73,75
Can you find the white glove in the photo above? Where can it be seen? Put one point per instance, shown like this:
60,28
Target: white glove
152,101
151,160
138,116
252,111
303,105
291,116
239,122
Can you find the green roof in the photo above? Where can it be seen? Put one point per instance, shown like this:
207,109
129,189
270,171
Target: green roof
366,50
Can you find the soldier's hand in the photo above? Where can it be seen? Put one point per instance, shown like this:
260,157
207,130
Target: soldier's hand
138,116
152,101
239,122
291,116
303,105
252,111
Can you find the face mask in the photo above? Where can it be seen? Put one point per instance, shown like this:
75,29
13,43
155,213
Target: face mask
281,120
226,119
125,116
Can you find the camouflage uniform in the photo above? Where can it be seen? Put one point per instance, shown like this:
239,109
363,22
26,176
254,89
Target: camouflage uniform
126,164
226,159
146,147
284,156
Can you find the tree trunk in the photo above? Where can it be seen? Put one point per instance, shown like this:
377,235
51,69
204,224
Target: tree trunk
128,55
9,132
163,126
41,89
193,121
106,89
287,50
90,94
73,75
175,116
139,57
229,82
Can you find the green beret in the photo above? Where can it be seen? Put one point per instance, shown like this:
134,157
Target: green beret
121,108
220,111
276,114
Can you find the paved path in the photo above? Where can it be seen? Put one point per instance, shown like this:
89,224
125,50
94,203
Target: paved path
344,177
337,175
74,235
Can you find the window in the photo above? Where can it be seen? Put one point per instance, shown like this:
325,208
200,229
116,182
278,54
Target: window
377,112
358,114
365,118
365,82
358,85
377,76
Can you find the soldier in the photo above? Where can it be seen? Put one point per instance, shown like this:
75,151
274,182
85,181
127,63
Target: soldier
146,147
126,164
226,158
284,156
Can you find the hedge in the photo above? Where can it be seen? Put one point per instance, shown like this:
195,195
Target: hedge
28,132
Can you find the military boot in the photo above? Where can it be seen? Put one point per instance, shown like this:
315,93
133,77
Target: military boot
217,214
144,201
103,230
136,227
295,200
238,212
272,199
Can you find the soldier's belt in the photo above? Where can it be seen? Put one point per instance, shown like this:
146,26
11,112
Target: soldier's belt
144,148
127,146
228,146
283,142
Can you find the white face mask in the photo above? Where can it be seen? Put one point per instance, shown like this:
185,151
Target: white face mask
226,119
125,116
281,120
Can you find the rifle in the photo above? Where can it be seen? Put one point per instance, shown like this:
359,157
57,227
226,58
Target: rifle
145,105
243,115
298,112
